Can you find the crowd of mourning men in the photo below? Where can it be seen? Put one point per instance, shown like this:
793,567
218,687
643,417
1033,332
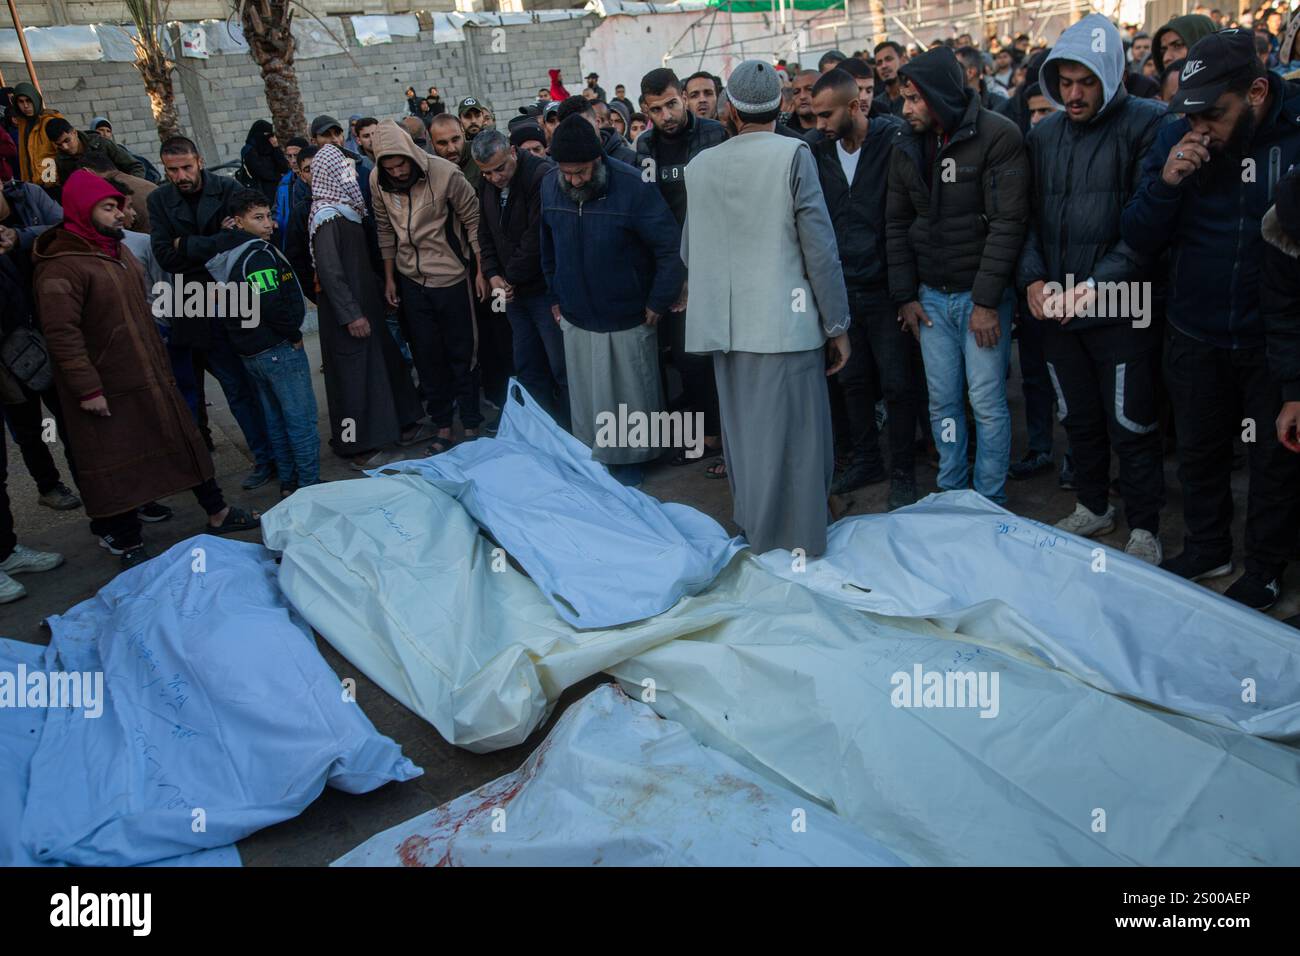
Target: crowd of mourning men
817,257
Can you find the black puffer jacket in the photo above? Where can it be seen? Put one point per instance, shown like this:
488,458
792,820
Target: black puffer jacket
1083,174
956,211
1279,287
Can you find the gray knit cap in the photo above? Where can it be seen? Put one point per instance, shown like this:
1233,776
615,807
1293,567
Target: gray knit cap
754,87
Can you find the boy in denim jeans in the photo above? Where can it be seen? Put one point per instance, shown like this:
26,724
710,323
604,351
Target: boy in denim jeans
264,321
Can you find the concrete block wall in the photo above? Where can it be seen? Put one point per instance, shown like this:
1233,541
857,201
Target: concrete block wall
505,64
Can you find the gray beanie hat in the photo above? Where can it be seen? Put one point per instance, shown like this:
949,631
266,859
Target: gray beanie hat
754,87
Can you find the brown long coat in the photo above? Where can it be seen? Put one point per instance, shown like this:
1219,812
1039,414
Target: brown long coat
101,336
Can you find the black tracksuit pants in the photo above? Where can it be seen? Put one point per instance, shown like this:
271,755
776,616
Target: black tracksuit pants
880,362
1218,394
1106,380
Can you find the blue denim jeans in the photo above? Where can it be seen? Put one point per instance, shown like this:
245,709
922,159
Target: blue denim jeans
282,378
954,368
224,363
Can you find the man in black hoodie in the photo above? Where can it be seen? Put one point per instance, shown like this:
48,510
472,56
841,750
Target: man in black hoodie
956,212
853,166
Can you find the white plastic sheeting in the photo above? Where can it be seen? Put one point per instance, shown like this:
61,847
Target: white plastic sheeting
219,716
51,44
796,686
614,785
1109,619
370,30
602,553
394,573
1064,774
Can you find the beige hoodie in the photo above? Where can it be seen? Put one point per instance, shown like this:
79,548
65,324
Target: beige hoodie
412,225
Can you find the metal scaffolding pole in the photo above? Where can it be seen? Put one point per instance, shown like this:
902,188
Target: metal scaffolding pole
22,40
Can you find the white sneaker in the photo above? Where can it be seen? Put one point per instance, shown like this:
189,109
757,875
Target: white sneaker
10,590
1144,546
1086,524
26,561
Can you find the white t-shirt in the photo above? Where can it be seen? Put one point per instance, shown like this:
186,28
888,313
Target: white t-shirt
848,161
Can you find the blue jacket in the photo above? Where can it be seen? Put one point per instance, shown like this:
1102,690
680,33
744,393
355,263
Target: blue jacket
288,194
613,257
1211,226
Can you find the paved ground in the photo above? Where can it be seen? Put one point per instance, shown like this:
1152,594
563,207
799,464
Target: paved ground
337,822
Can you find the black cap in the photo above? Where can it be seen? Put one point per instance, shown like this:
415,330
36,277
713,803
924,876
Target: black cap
1213,62
323,124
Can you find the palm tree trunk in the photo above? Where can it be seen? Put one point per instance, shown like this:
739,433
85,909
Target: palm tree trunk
157,75
879,33
266,26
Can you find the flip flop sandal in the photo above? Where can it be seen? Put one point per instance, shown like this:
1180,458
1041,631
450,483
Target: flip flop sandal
680,458
716,470
439,445
421,433
237,520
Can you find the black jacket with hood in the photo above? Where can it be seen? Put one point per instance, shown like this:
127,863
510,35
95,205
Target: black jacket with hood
245,258
958,201
1083,174
858,209
510,238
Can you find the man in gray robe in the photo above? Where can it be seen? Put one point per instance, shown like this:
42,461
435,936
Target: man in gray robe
767,299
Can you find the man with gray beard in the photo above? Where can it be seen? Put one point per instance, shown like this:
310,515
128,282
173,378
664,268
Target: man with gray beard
611,261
